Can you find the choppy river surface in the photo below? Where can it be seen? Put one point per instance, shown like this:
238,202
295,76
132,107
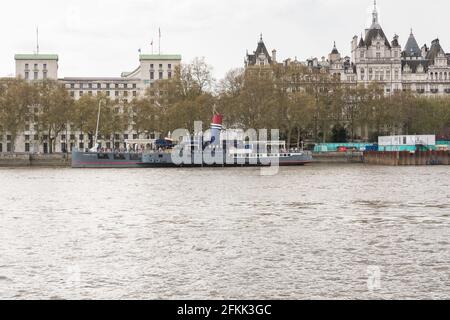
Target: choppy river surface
331,232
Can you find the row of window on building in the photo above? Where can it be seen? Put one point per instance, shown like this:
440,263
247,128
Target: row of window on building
439,76
108,93
421,89
100,86
160,75
35,71
378,54
379,75
36,75
81,137
169,66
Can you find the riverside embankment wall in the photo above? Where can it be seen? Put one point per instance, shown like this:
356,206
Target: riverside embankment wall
337,157
406,158
34,160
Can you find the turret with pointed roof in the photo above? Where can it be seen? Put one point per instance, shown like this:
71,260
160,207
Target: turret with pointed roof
435,50
412,48
335,50
334,55
375,30
260,56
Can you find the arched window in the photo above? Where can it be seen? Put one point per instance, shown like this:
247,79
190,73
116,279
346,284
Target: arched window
431,75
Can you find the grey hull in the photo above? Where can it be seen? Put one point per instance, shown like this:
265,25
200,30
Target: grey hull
105,160
155,159
164,160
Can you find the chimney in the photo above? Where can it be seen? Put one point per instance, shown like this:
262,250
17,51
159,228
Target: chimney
424,51
274,55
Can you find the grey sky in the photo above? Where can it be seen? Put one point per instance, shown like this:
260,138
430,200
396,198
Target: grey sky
102,37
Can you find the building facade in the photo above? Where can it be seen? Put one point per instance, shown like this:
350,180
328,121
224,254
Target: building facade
376,58
423,70
123,89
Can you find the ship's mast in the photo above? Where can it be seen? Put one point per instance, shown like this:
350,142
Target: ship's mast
98,124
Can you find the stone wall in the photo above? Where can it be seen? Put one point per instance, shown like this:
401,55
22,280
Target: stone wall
405,158
338,157
34,160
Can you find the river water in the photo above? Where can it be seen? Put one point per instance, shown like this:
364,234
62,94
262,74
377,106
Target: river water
328,232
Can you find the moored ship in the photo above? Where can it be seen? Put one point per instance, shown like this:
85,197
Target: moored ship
195,151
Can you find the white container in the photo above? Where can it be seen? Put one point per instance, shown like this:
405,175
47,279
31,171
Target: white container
427,140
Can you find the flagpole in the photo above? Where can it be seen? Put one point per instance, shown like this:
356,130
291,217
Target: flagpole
37,39
159,41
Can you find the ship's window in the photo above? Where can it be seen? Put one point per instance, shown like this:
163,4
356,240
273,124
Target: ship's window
103,156
160,155
119,156
135,157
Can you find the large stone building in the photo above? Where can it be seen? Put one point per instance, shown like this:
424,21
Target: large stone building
376,58
123,89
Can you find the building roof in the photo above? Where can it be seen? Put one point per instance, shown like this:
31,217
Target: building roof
361,42
335,50
395,42
373,34
374,31
412,48
435,50
261,49
36,57
414,64
159,57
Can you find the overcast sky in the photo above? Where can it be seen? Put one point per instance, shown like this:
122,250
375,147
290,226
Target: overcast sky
102,37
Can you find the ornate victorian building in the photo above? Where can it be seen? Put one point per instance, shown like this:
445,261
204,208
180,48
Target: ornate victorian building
376,58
